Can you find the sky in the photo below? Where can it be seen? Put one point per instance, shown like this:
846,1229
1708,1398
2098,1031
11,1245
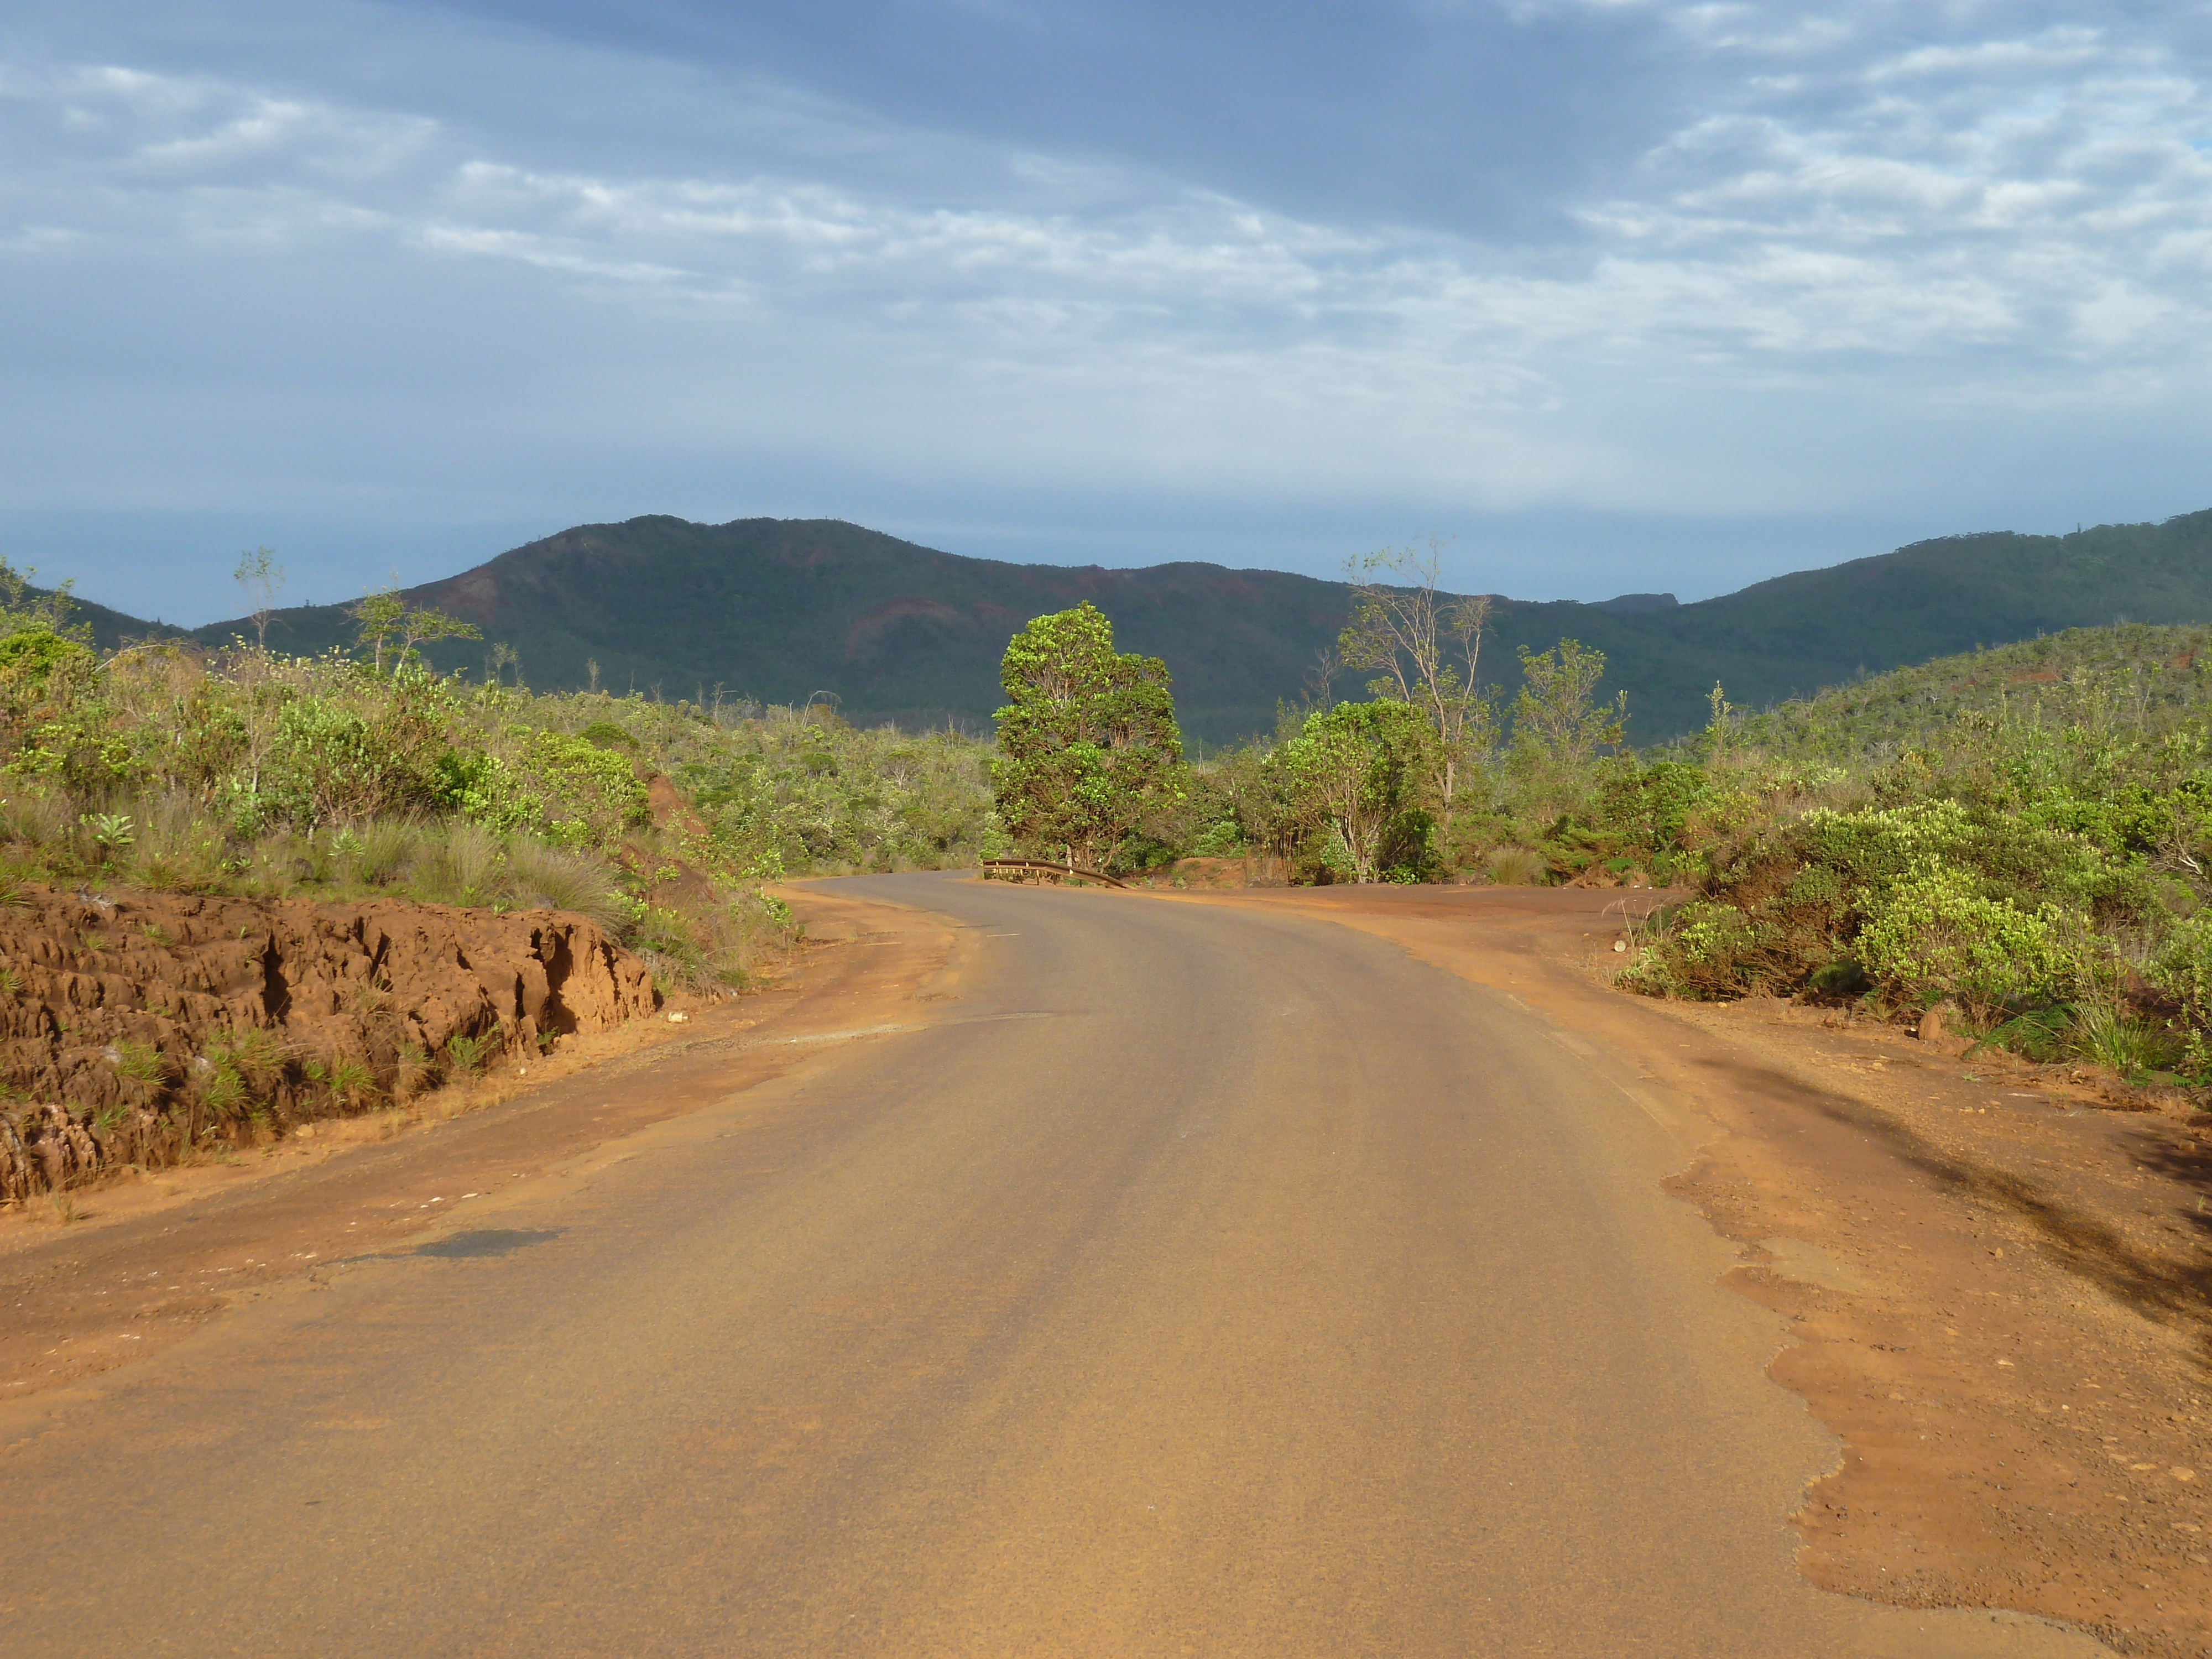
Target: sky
1599,296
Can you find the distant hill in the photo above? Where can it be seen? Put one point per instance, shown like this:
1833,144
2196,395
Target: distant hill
111,629
779,609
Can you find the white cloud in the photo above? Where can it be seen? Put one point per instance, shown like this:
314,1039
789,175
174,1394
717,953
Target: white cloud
1863,224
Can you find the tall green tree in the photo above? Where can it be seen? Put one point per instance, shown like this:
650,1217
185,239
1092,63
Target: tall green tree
1559,725
1088,745
1359,774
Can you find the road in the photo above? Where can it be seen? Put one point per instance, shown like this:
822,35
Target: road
1200,1281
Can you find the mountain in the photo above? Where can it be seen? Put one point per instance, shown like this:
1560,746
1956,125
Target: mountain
780,610
112,629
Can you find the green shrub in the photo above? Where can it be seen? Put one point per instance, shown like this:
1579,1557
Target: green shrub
483,789
31,657
605,734
2182,970
1709,944
590,795
1933,935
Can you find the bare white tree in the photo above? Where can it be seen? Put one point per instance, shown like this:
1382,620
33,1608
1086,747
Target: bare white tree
1424,648
261,578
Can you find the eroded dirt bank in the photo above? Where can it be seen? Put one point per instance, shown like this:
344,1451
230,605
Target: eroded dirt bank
136,1025
1999,1291
148,1260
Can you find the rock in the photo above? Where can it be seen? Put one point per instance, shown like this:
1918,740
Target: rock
1931,1024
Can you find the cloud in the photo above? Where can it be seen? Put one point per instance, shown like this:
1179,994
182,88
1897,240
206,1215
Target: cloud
1685,260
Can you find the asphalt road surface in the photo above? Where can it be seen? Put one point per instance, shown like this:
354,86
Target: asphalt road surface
1200,1281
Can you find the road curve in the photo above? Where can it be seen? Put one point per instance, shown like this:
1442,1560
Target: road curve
1201,1281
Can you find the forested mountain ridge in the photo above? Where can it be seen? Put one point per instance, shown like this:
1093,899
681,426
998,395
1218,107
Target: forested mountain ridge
781,609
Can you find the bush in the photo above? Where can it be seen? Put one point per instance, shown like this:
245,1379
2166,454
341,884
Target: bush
605,734
1934,936
2182,970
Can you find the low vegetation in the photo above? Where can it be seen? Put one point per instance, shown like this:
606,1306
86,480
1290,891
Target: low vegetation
2021,833
242,771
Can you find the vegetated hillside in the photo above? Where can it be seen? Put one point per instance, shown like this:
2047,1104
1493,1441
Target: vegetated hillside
779,609
2156,678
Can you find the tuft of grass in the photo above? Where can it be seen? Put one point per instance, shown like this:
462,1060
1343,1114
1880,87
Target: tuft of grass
466,1055
460,868
412,1069
244,1065
258,1053
383,851
11,982
178,846
349,1081
142,1060
1517,866
61,1207
2133,1047
41,823
2041,1034
225,1092
554,879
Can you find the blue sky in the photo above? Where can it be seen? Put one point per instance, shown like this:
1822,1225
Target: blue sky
1609,295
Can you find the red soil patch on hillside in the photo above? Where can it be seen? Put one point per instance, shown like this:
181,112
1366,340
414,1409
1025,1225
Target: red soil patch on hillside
113,1003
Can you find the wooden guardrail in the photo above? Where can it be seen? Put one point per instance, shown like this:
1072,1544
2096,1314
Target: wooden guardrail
1043,869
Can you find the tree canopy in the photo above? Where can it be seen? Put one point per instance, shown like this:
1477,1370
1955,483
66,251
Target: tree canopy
1087,741
1358,772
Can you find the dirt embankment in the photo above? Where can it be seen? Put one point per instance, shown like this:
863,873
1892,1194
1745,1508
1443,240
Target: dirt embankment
137,1025
143,1263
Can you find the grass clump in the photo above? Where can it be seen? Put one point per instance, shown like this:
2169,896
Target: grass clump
465,1056
139,1060
1515,867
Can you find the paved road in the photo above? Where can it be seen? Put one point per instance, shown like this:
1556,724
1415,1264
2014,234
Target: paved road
1203,1282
